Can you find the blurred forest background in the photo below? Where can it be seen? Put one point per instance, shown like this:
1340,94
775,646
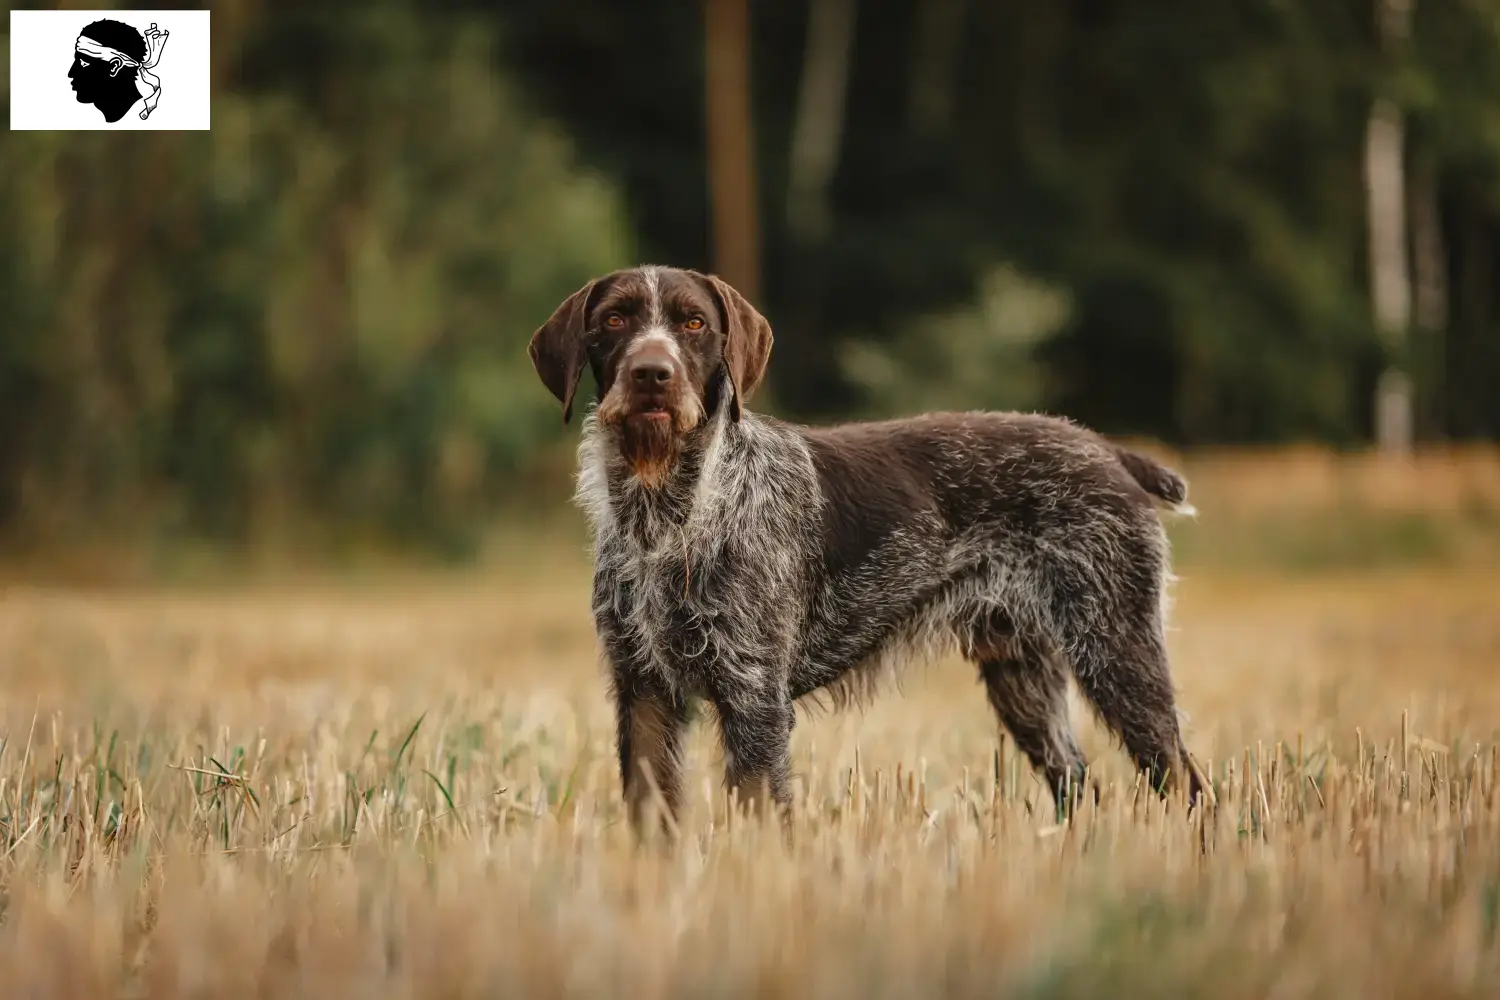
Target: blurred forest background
1208,224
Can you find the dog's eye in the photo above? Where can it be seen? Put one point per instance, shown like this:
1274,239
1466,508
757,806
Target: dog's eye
694,324
614,321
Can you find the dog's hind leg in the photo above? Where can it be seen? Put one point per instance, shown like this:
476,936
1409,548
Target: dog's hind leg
1128,681
1029,692
1122,669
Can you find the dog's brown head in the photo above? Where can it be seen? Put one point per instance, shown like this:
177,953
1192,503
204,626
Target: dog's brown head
657,340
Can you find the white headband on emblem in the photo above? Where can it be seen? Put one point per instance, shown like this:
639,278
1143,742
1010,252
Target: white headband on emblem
147,82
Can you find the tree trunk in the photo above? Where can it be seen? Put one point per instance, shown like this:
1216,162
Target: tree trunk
1390,283
819,127
1429,299
731,147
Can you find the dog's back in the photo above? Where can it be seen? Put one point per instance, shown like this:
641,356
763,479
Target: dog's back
977,465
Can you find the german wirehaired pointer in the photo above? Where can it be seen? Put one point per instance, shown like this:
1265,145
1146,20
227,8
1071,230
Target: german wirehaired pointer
750,562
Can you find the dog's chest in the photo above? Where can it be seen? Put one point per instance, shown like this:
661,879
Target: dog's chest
669,601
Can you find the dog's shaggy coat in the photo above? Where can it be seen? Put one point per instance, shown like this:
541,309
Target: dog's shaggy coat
751,562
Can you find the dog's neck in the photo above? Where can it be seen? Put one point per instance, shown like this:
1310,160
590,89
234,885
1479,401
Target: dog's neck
618,502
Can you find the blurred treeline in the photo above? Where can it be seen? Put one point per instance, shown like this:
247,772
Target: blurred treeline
1152,217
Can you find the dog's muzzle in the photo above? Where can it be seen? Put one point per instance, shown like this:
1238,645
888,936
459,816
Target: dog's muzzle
655,384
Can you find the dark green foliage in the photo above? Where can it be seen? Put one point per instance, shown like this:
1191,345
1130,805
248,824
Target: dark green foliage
1192,178
1150,219
318,308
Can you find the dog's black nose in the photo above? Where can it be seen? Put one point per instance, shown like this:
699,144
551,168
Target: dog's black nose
649,371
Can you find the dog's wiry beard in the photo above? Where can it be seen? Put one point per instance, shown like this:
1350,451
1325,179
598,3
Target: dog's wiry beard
651,446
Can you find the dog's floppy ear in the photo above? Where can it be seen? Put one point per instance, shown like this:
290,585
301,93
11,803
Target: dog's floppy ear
556,348
747,341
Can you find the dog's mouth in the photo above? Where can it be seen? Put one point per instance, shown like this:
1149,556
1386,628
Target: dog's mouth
665,415
651,429
650,441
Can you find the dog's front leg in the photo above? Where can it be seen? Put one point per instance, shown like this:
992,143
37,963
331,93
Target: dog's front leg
652,724
755,726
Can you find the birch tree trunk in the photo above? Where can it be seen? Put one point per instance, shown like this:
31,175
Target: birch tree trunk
1390,282
731,146
818,130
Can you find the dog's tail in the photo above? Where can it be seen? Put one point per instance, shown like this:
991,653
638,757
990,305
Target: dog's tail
1156,479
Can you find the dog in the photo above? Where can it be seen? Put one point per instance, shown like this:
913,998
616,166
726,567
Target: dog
749,562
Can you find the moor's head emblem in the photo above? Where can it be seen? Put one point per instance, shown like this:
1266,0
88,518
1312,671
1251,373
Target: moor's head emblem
112,65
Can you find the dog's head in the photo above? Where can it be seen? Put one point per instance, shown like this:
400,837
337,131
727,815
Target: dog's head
658,341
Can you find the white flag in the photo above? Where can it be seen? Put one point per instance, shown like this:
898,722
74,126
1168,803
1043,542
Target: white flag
109,70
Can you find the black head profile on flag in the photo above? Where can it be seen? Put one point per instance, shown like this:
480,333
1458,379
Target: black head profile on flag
111,68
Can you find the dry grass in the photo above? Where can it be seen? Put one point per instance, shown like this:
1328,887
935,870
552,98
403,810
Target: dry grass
409,791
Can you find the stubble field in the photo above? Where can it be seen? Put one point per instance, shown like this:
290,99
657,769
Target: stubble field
405,787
